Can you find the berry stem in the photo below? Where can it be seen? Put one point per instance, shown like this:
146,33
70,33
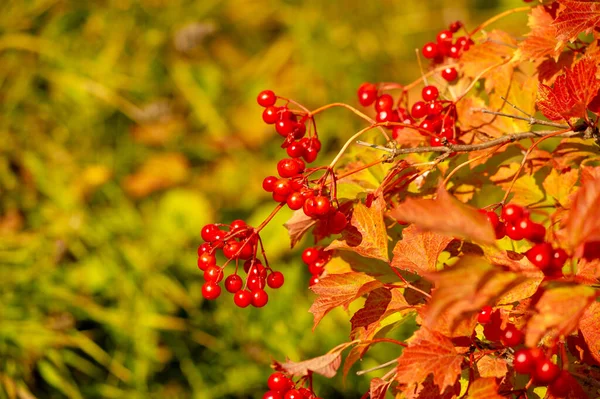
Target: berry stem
497,17
531,120
354,110
378,367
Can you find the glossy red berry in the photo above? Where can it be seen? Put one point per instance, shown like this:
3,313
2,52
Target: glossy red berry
418,110
545,371
233,283
285,127
322,205
430,93
449,74
295,150
512,213
270,115
310,255
231,249
269,183
511,336
485,314
256,283
525,360
538,233
384,102
525,227
454,51
209,232
205,248
266,98
455,26
314,279
435,108
288,167
213,273
444,36
259,298
210,290
540,255
272,395
559,257
430,50
337,222
500,231
282,187
367,94
242,298
275,280
295,201
386,115
513,232
206,260
293,394
278,382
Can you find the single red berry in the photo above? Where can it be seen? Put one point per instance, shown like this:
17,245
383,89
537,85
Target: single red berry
418,110
511,336
322,205
231,249
386,115
449,74
454,51
559,257
435,141
205,248
430,50
272,395
288,167
295,150
310,255
562,385
266,98
275,280
443,37
463,42
513,232
429,125
435,108
295,201
314,279
337,222
493,329
540,255
285,127
269,183
447,133
246,250
282,187
210,290
525,360
512,213
242,298
278,382
292,394
430,93
525,227
545,372
237,225
206,260
384,102
233,283
270,115
209,232
256,269
485,314
455,26
213,274
367,94
538,233
500,231
306,393
316,268
256,283
298,183
492,217
259,298
309,207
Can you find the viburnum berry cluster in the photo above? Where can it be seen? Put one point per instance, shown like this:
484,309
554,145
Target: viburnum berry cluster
478,218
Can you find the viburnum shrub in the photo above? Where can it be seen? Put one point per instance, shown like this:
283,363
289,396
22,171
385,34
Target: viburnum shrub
478,213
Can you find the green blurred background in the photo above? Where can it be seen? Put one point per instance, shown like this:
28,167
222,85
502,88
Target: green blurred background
125,126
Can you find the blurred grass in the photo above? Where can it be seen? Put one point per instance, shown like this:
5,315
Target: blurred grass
125,126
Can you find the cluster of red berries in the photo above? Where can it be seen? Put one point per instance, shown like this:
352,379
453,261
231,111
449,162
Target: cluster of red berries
287,125
517,225
526,361
238,242
316,259
282,387
444,47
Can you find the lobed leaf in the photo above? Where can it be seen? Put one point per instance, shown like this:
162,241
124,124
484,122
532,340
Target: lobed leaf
583,220
326,365
578,16
541,41
588,328
484,388
419,250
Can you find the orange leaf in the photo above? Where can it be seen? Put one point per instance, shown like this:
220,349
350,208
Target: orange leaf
378,388
588,327
430,352
484,388
583,220
298,225
588,271
558,312
560,185
367,235
490,366
375,306
446,215
541,41
326,365
418,250
578,16
340,290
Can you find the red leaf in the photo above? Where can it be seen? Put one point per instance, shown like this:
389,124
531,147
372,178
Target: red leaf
375,306
588,327
339,290
541,41
446,215
558,312
578,16
326,365
367,235
490,366
430,352
484,388
418,250
583,220
462,290
549,68
378,388
571,92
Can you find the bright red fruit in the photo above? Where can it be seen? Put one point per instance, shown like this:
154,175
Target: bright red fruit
210,290
562,385
233,283
511,336
293,394
485,314
288,167
559,257
269,183
525,360
384,102
278,382
449,74
213,274
367,94
430,93
275,280
418,110
540,255
205,260
266,98
270,115
209,232
272,395
242,298
310,255
430,50
321,205
259,298
545,371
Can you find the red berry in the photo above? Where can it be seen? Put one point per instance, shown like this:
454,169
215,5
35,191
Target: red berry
313,280
209,232
292,394
213,274
242,298
337,222
310,255
485,315
418,110
259,298
525,227
310,154
454,51
443,37
237,225
205,247
256,269
511,336
322,205
269,183
231,249
435,108
540,255
525,360
272,395
256,283
266,98
295,150
275,280
285,127
288,167
295,201
538,233
384,102
278,382
206,260
316,268
367,93
455,26
435,141
562,385
449,74
233,283
210,290
559,257
270,115
513,232
386,115
512,213
430,93
430,50
500,231
282,187
545,371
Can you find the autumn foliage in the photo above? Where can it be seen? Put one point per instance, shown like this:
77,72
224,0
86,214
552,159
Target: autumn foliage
474,209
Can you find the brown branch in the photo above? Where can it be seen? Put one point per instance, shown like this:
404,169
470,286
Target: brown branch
379,367
531,120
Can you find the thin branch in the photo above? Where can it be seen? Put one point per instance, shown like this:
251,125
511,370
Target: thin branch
531,120
379,367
